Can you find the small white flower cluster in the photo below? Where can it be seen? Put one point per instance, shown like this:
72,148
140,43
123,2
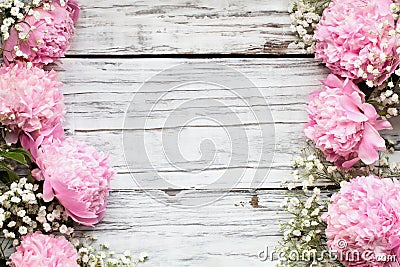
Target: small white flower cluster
304,233
387,169
387,102
14,11
92,257
311,167
23,211
363,72
305,15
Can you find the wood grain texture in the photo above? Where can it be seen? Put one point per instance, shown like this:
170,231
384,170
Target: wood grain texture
226,232
98,93
182,27
230,232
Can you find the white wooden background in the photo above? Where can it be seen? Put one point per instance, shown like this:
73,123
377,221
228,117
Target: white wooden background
121,44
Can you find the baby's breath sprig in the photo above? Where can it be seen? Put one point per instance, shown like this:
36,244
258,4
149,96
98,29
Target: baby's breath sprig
13,12
23,211
305,15
385,98
312,169
93,255
304,240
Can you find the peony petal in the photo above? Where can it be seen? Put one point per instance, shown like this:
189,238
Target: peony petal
333,81
369,145
369,111
348,164
382,125
48,194
11,137
353,111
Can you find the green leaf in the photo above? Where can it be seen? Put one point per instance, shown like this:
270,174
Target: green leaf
22,151
11,174
30,178
374,102
16,156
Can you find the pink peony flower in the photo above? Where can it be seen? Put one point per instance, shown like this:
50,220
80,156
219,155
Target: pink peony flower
363,222
41,250
42,37
342,125
357,39
73,9
78,176
31,105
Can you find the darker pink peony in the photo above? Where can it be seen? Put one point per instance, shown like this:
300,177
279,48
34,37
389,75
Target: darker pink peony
73,9
357,39
342,125
41,250
43,37
363,220
78,176
31,105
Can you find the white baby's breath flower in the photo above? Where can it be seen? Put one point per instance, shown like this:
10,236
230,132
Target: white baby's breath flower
46,227
14,11
304,212
357,63
85,258
83,250
11,235
22,230
291,186
388,93
21,213
315,212
50,217
392,111
317,191
63,229
26,220
142,256
297,232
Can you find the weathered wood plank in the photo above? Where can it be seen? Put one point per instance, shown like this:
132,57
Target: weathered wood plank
98,93
180,26
229,232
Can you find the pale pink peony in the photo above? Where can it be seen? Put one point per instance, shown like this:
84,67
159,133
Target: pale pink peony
342,125
364,219
41,250
46,34
31,105
77,175
355,34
